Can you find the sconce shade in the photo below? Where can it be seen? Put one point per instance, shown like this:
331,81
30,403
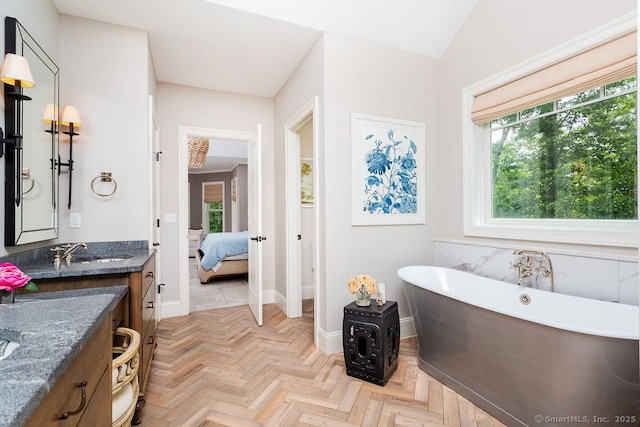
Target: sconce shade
16,69
50,114
70,115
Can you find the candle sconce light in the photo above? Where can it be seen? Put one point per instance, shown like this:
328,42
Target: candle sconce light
51,118
15,74
71,119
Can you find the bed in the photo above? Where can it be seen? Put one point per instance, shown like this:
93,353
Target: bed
223,255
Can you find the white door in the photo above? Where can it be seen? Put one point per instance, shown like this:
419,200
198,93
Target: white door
154,134
255,224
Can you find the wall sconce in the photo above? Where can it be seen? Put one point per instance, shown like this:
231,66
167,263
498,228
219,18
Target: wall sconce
71,118
15,72
50,117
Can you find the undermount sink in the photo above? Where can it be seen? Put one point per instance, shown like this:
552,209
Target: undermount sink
9,341
101,259
110,259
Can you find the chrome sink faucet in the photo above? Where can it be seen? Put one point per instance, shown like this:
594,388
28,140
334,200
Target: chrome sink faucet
526,267
65,253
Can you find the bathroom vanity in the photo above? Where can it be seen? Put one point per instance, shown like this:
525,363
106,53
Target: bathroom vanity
106,264
61,367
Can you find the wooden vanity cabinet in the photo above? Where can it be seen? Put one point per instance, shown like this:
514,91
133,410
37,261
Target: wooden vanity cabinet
143,297
141,301
91,367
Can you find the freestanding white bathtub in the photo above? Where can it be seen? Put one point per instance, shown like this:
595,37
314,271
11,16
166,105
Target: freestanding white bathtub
526,356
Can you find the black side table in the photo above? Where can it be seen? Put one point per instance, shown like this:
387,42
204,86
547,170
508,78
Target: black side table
371,341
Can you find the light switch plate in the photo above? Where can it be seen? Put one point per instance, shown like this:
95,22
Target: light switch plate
75,220
170,218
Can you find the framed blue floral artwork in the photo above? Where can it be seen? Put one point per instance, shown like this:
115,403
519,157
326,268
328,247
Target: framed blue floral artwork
388,171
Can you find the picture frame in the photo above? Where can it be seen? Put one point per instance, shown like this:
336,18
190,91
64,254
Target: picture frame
306,182
388,172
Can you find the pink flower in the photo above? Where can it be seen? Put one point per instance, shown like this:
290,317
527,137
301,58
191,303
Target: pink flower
12,278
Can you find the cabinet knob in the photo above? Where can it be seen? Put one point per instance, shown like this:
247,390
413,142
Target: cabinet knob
151,340
150,304
83,402
150,274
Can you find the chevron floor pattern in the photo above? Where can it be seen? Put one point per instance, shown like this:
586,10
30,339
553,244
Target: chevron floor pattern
218,368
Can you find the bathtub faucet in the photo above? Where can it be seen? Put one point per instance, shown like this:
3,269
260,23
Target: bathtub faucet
526,267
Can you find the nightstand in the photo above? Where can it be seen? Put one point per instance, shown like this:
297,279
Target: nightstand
371,341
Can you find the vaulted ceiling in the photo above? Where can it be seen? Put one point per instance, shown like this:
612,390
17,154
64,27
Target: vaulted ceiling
252,46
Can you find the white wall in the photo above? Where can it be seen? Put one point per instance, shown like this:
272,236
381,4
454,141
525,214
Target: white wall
104,73
40,18
372,79
187,106
498,35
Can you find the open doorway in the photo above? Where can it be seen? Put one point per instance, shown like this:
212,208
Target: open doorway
302,211
211,216
208,210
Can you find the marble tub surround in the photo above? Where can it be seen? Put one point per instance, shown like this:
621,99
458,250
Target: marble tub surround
38,263
588,276
51,328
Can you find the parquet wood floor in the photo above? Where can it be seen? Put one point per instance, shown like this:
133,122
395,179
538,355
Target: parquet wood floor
218,368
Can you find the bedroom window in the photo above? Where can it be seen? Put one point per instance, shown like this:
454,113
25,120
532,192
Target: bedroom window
213,206
550,151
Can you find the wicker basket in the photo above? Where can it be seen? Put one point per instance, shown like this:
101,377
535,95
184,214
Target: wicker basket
198,148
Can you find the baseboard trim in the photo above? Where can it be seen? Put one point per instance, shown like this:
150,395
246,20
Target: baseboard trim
280,300
170,309
329,343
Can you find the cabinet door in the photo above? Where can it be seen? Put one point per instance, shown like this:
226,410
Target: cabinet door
98,410
66,395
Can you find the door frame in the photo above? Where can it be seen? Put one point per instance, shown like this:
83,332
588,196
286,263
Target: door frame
184,132
292,215
155,231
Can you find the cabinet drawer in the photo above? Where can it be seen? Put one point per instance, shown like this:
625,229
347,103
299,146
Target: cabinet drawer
147,346
148,311
66,394
148,274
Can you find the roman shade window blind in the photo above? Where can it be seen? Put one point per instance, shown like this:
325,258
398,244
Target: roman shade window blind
213,193
599,66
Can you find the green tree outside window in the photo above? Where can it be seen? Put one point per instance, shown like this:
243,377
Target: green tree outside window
575,158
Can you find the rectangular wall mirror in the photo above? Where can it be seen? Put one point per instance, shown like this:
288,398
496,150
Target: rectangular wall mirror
31,178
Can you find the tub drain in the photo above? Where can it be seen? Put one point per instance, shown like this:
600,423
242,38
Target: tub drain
525,299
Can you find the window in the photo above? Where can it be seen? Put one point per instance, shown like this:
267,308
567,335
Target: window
213,206
574,158
215,212
550,146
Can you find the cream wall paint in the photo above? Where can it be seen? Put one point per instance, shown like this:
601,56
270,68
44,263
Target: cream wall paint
187,106
497,36
40,18
104,73
372,79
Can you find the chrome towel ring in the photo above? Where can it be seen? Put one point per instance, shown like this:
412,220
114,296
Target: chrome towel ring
27,176
104,177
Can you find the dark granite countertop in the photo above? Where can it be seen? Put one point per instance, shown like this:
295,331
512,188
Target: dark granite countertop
38,263
52,328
